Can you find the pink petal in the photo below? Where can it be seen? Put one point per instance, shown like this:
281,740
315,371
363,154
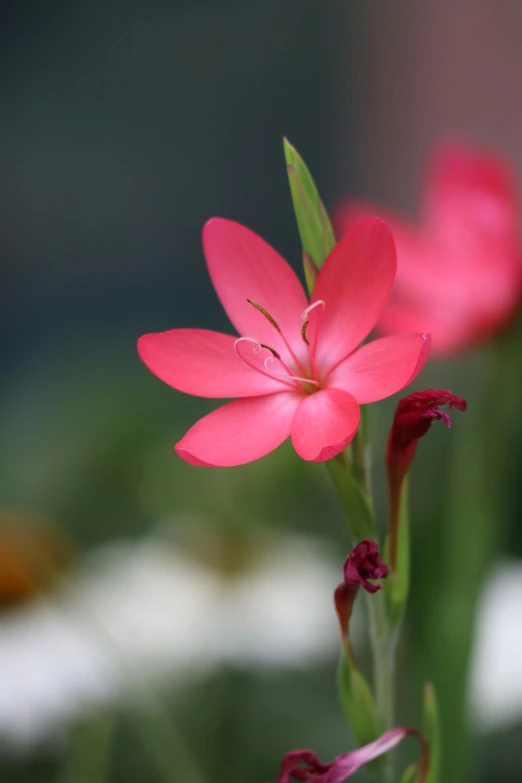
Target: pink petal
201,362
239,432
305,764
355,283
243,266
344,766
324,424
382,368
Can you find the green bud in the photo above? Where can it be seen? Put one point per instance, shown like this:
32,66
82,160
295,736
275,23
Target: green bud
315,228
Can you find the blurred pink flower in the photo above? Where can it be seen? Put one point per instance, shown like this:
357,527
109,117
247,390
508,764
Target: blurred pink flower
297,367
303,765
459,273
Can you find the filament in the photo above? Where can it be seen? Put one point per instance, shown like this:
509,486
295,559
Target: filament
311,308
271,359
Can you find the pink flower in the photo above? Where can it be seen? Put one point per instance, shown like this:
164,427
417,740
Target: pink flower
459,270
297,367
304,765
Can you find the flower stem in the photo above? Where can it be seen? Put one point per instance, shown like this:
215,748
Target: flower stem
88,751
351,479
383,654
355,500
160,736
383,657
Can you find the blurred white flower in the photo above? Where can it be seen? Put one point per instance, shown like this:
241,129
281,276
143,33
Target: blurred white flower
152,607
496,672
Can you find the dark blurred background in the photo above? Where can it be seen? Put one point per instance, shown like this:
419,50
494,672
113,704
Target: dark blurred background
125,125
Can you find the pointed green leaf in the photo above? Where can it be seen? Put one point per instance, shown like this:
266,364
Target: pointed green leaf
308,219
327,230
310,271
315,228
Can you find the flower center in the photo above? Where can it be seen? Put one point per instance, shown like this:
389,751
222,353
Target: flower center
291,371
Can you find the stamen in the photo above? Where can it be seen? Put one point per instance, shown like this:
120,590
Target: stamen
310,331
270,360
259,366
272,350
267,315
271,320
257,345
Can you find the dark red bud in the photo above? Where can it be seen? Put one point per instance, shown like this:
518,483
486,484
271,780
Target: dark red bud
364,563
413,417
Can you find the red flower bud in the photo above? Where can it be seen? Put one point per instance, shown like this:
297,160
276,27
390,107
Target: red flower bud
413,417
363,563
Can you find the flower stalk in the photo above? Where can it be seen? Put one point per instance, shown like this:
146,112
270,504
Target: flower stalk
350,476
357,504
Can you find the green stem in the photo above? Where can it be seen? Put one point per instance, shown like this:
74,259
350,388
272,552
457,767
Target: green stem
161,738
383,653
355,500
88,751
398,544
166,746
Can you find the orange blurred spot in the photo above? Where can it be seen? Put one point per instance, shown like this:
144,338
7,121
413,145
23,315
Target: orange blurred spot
32,554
